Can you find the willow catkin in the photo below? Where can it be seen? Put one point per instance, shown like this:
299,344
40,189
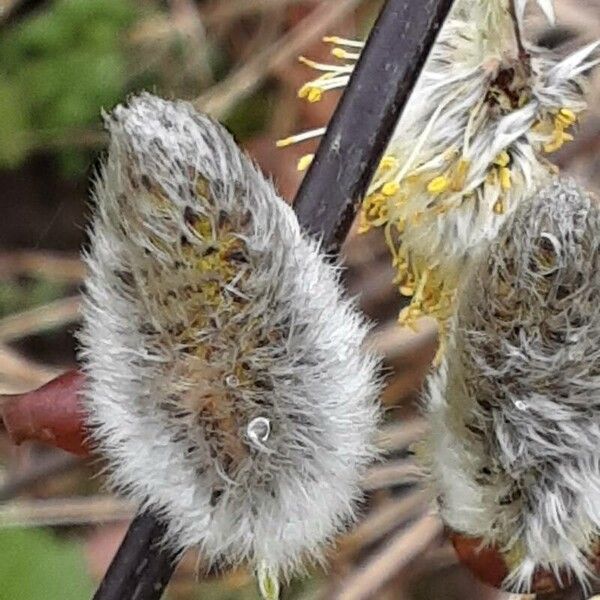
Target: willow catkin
228,385
515,408
475,139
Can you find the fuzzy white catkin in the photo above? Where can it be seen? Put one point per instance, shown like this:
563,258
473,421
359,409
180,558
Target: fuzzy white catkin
515,407
228,383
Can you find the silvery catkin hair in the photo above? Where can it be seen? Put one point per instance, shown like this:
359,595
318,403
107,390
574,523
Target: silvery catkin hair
228,384
515,408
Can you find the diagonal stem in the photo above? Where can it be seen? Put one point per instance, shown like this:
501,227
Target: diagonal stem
366,117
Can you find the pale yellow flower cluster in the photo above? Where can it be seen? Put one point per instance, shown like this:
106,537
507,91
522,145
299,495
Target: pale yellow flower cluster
471,145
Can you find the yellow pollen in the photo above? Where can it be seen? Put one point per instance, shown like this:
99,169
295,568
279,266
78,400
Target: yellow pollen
503,159
505,178
314,95
407,290
339,53
499,207
304,91
559,138
566,116
288,141
390,188
438,185
388,162
305,162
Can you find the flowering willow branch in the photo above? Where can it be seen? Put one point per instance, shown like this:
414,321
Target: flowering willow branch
487,111
364,122
388,51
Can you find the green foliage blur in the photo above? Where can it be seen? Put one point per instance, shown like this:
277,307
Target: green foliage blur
19,296
36,565
57,68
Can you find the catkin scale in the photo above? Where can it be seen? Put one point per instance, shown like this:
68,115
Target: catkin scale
515,406
228,384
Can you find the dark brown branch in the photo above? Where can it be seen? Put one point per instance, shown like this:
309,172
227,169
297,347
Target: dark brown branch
142,567
326,206
366,117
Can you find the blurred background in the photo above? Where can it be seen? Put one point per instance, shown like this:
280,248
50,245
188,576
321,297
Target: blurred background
61,63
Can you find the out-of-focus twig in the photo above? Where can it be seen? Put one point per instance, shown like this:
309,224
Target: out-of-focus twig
399,436
42,318
396,555
66,268
7,7
385,520
222,12
390,474
43,139
393,342
222,97
65,511
45,469
18,373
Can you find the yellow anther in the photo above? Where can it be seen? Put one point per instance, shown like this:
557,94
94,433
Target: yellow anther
391,188
559,138
499,207
407,290
408,316
403,316
388,162
314,95
505,178
438,185
460,174
344,54
364,224
288,141
566,116
305,162
304,90
503,159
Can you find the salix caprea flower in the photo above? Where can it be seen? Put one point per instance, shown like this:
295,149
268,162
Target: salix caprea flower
473,142
515,406
228,384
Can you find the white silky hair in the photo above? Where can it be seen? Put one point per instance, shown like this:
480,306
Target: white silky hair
228,384
441,118
515,407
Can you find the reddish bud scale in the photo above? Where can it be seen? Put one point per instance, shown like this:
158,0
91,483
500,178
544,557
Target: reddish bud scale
489,565
51,414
